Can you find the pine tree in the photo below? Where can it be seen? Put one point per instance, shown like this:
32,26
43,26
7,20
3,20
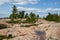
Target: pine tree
37,17
21,14
14,13
53,17
31,18
26,16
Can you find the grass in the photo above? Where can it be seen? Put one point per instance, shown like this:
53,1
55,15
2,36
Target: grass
29,25
12,21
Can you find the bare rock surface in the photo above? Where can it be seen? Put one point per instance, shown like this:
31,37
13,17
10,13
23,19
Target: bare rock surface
52,30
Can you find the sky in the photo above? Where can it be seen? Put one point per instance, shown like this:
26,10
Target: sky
40,7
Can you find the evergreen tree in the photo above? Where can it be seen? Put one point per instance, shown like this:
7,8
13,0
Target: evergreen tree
21,14
13,15
31,18
49,17
26,16
37,17
53,17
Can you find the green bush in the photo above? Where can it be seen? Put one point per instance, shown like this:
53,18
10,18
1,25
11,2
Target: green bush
13,22
52,17
29,20
5,37
2,26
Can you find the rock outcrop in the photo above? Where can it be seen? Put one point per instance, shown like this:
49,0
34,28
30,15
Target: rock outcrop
49,30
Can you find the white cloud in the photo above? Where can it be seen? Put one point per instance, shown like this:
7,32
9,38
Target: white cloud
27,9
4,1
45,10
48,9
38,10
20,2
33,2
57,9
41,12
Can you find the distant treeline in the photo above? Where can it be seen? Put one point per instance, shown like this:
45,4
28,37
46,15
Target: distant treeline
31,17
52,17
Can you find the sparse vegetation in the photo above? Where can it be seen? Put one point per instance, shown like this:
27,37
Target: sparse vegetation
30,18
14,22
14,13
2,26
5,37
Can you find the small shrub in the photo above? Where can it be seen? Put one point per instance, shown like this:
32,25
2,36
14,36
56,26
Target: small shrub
2,26
5,37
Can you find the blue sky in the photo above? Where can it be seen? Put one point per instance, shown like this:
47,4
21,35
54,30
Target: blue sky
41,7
